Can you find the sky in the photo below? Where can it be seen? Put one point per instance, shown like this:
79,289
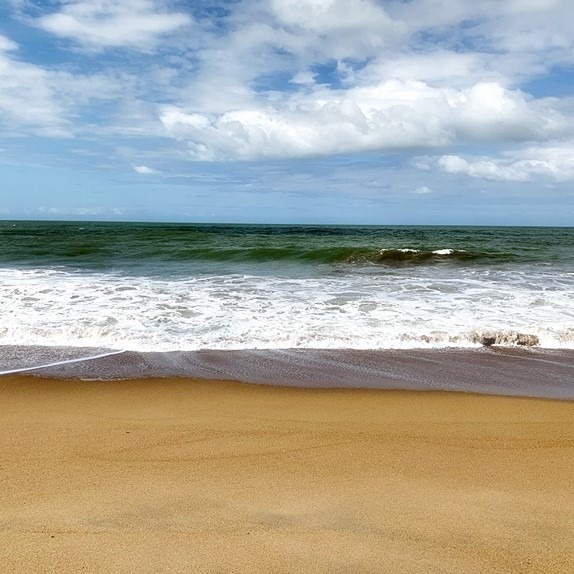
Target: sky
288,111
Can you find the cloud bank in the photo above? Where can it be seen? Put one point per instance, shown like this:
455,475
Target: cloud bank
393,115
556,163
257,80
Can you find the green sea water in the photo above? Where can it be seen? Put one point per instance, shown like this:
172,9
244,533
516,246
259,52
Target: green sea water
184,249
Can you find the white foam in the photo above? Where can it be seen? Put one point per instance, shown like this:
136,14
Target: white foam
366,309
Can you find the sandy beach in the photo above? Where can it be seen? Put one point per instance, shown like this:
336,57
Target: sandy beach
181,475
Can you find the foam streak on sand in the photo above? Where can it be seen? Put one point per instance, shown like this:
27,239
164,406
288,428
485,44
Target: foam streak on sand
202,476
59,363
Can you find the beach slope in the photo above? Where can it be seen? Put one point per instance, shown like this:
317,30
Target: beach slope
179,475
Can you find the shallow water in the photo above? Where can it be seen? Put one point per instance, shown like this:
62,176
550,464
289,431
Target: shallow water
497,371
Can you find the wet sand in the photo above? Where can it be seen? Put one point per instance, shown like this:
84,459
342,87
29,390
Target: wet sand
508,371
181,475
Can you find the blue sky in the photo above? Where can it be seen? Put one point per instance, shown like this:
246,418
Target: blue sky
310,111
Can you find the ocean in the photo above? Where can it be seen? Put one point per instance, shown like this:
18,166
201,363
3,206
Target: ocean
73,290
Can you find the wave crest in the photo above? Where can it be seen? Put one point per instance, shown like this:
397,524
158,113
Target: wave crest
407,256
489,338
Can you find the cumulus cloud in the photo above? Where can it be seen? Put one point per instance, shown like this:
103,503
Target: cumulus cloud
393,115
553,162
113,23
302,78
380,93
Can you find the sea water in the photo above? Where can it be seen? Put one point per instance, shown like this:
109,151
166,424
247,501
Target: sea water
83,289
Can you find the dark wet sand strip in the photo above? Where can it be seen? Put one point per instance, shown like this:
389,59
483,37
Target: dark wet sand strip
494,370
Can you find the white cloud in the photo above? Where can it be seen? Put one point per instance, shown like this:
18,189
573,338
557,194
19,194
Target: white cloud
338,28
392,115
484,169
391,98
39,108
532,25
45,102
253,84
519,25
489,112
144,170
552,162
423,190
6,45
113,23
79,211
323,16
437,67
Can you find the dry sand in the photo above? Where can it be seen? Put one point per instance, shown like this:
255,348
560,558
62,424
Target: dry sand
202,476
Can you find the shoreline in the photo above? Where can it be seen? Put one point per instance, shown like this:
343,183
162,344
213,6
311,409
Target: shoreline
185,475
504,371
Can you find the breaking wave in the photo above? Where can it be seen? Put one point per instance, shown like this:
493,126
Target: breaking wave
102,257
506,338
417,256
444,307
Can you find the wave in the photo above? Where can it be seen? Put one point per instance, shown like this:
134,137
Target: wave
84,258
332,255
440,307
505,338
417,256
135,247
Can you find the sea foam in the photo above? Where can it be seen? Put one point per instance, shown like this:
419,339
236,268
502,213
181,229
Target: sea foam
399,308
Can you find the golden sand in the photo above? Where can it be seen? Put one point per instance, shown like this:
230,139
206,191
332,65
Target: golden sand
202,476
